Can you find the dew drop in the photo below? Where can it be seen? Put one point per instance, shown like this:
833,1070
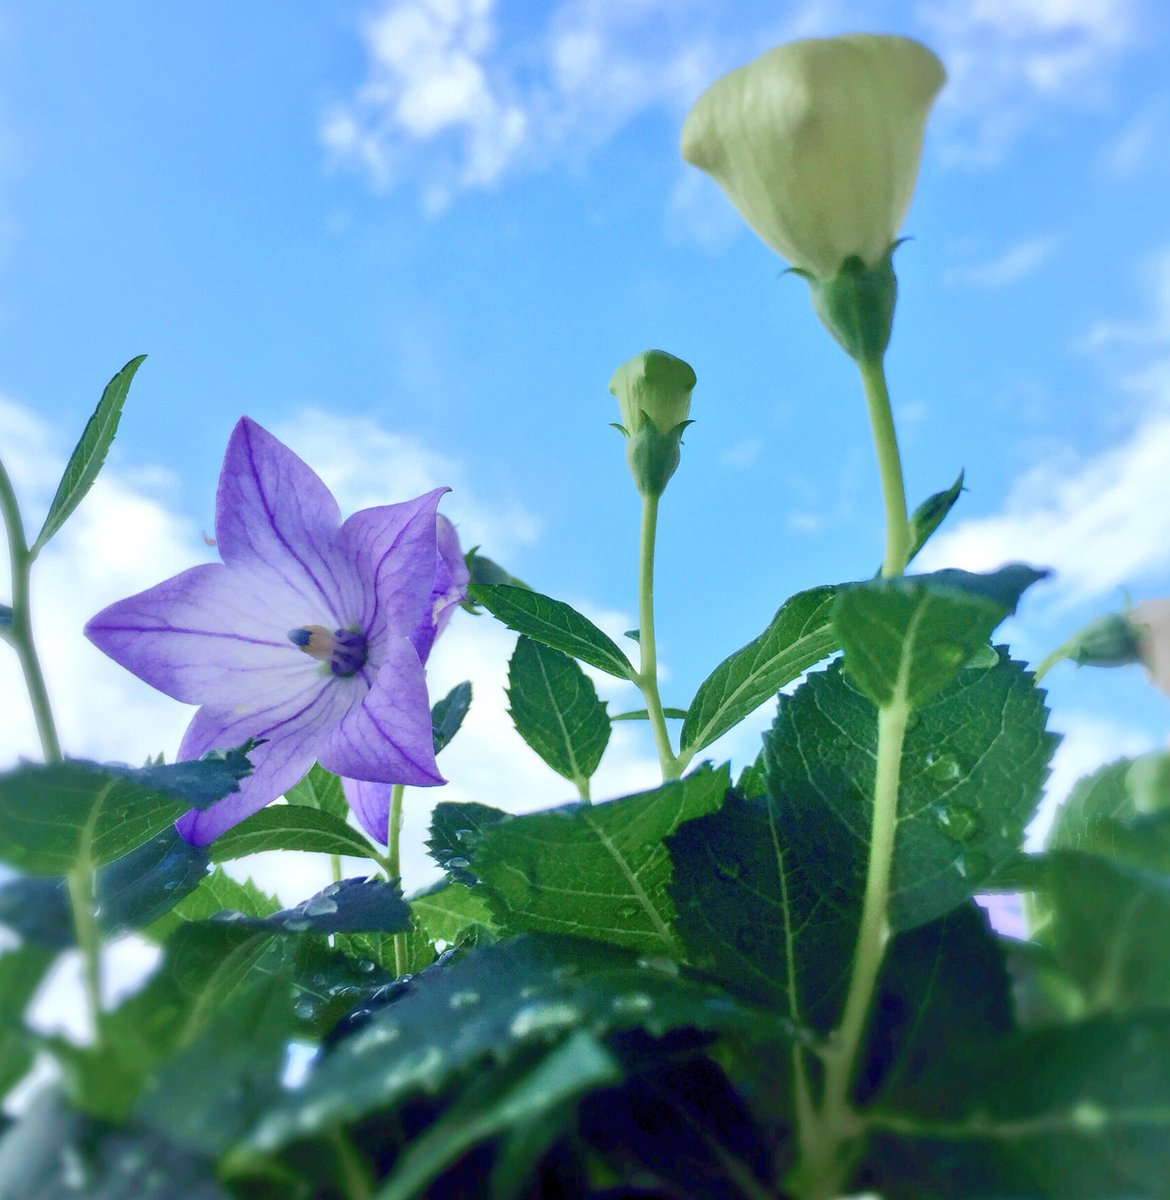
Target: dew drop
463,999
320,906
635,1002
729,867
959,822
366,966
536,1018
464,835
305,1009
458,863
943,767
297,924
1090,1117
627,912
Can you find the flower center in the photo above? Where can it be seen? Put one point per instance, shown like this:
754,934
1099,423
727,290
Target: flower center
345,650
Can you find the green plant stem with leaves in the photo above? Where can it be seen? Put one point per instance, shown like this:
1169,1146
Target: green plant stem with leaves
834,1126
80,880
647,677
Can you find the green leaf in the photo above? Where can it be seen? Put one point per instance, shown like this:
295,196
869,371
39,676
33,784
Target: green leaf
553,623
348,906
217,893
455,832
944,990
446,911
484,1009
555,709
799,636
504,1103
322,790
52,1152
54,816
5,622
930,514
21,973
89,454
484,570
1101,796
598,871
1108,929
132,892
1073,1112
290,827
205,967
221,1080
447,715
750,913
640,714
974,763
906,637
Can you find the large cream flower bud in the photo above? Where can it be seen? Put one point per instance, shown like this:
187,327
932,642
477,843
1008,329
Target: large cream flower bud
817,143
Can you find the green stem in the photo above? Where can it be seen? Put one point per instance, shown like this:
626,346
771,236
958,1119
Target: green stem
885,438
21,634
836,1124
647,679
393,865
1049,661
85,926
353,1173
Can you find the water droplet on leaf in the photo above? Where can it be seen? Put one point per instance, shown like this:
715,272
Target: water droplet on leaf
729,867
958,821
943,767
463,999
627,912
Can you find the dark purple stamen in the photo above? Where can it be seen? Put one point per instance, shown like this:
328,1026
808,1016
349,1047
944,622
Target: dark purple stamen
350,651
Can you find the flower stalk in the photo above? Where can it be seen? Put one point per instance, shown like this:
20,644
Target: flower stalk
885,438
647,679
393,865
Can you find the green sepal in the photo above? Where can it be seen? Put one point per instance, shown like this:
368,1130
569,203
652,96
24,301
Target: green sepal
857,305
653,457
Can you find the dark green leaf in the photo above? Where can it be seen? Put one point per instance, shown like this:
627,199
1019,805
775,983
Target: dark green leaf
447,715
57,815
446,911
290,827
752,779
599,871
1075,1112
556,711
973,765
906,637
221,1080
132,892
1101,796
21,972
52,1153
349,906
944,990
322,790
484,570
455,832
218,893
750,912
1109,931
799,636
485,1008
503,1103
90,452
553,623
930,514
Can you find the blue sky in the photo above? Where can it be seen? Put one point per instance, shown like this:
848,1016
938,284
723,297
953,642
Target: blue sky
415,238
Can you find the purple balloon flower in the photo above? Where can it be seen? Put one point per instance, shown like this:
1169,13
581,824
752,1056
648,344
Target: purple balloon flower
310,634
370,801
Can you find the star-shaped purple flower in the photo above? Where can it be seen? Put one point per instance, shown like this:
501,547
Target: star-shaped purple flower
310,634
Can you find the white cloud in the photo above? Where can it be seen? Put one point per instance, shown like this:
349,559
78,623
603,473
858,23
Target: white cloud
1009,61
1010,266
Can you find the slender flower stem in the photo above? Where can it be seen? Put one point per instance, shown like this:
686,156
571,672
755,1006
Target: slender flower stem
647,679
1049,661
881,420
836,1124
21,634
393,864
85,925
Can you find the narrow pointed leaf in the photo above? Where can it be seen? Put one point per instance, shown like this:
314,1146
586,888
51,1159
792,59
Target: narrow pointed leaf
799,636
90,452
930,514
553,623
447,715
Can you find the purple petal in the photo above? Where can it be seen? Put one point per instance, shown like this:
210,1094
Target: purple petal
293,729
449,590
387,738
371,805
392,549
272,508
212,634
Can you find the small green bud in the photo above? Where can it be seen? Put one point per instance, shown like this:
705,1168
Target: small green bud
653,391
1110,641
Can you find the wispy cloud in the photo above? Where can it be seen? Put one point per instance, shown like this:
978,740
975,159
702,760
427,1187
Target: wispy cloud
1010,266
1010,63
